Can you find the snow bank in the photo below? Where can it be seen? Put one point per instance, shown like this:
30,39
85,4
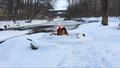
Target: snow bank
10,33
19,54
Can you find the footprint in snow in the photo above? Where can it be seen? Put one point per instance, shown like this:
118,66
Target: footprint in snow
108,51
114,54
63,60
105,62
116,59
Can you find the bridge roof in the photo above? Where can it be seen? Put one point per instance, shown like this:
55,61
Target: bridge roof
57,10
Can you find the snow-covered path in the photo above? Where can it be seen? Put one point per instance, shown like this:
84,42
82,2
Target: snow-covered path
98,52
99,48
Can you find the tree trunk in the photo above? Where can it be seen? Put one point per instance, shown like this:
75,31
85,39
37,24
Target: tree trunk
16,11
104,4
95,9
30,13
28,9
68,2
119,8
2,1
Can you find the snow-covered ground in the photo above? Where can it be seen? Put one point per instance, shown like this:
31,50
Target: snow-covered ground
99,48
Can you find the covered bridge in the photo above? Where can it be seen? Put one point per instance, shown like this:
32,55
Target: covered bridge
61,13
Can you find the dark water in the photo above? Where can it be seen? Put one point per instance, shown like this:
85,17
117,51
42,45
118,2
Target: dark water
51,28
43,28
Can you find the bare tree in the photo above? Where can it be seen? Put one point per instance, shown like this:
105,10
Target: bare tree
16,10
68,2
85,7
26,9
104,4
95,9
118,7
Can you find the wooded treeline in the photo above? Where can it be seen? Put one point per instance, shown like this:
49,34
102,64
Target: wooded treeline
27,9
92,8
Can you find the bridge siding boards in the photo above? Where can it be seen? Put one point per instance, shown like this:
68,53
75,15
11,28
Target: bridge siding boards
55,12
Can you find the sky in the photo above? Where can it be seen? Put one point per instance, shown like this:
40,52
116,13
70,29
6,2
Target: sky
61,5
